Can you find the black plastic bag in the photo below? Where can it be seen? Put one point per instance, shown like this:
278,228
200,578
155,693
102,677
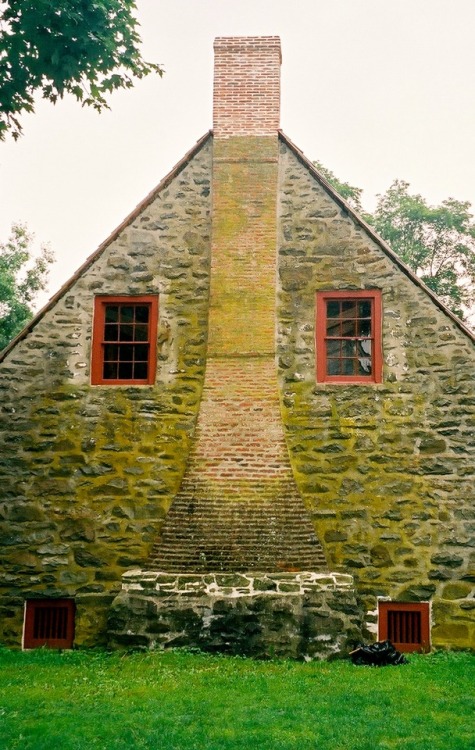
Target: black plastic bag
380,654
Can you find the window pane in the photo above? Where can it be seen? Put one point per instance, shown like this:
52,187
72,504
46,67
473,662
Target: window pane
141,333
111,353
140,370
141,353
333,348
126,353
333,309
348,348
364,309
112,314
365,347
111,332
333,328
126,333
126,314
141,314
348,366
125,370
333,366
348,309
348,328
364,366
364,327
110,371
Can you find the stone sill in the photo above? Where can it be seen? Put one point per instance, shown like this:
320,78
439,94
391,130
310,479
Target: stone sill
235,584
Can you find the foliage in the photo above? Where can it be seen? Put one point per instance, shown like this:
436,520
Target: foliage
86,48
349,192
179,701
22,276
437,242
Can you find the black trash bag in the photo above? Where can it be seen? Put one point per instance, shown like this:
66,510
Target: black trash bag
380,654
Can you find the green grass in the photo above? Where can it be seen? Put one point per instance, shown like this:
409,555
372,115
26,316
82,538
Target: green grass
176,700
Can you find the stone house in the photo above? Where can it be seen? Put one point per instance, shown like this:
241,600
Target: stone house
244,423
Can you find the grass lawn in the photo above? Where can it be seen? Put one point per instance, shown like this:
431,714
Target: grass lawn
182,701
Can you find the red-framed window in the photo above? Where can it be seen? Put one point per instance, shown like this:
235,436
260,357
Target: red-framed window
49,622
405,624
124,340
348,336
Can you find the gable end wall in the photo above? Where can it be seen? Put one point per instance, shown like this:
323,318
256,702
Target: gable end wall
88,473
387,470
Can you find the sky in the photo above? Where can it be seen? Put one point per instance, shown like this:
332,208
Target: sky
373,89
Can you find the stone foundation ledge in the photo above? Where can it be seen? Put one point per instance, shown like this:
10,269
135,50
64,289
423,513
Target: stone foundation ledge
305,615
235,584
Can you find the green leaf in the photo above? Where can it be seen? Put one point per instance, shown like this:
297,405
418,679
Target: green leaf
66,46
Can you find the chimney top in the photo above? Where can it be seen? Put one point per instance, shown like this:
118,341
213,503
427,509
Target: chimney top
246,86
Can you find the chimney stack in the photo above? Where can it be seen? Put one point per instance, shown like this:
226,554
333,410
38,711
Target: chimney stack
238,508
244,195
246,95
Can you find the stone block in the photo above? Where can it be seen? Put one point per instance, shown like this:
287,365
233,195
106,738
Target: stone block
457,590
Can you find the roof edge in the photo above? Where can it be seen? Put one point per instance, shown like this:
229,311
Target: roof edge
374,236
179,166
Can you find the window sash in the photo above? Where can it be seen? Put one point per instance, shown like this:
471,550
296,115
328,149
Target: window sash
124,340
348,336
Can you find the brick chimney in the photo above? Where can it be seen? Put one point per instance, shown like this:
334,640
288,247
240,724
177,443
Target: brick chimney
238,508
246,93
245,163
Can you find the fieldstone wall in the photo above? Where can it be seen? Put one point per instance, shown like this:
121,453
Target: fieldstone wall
387,469
87,474
294,615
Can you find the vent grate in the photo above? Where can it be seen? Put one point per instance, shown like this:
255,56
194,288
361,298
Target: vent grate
404,627
405,624
49,622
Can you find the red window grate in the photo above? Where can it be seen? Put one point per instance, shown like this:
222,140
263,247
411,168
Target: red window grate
49,622
405,624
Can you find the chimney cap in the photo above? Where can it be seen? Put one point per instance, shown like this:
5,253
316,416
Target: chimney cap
246,90
242,43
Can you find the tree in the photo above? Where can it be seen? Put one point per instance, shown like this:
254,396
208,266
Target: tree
22,276
87,48
437,242
349,192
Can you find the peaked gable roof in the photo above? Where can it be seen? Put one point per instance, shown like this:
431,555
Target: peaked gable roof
174,172
373,234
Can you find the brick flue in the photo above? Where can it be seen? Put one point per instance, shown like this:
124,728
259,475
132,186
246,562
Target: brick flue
246,91
238,508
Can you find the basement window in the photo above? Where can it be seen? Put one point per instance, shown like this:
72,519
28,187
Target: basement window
348,337
405,624
49,622
124,340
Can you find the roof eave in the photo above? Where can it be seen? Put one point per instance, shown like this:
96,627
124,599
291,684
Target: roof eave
374,236
104,245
